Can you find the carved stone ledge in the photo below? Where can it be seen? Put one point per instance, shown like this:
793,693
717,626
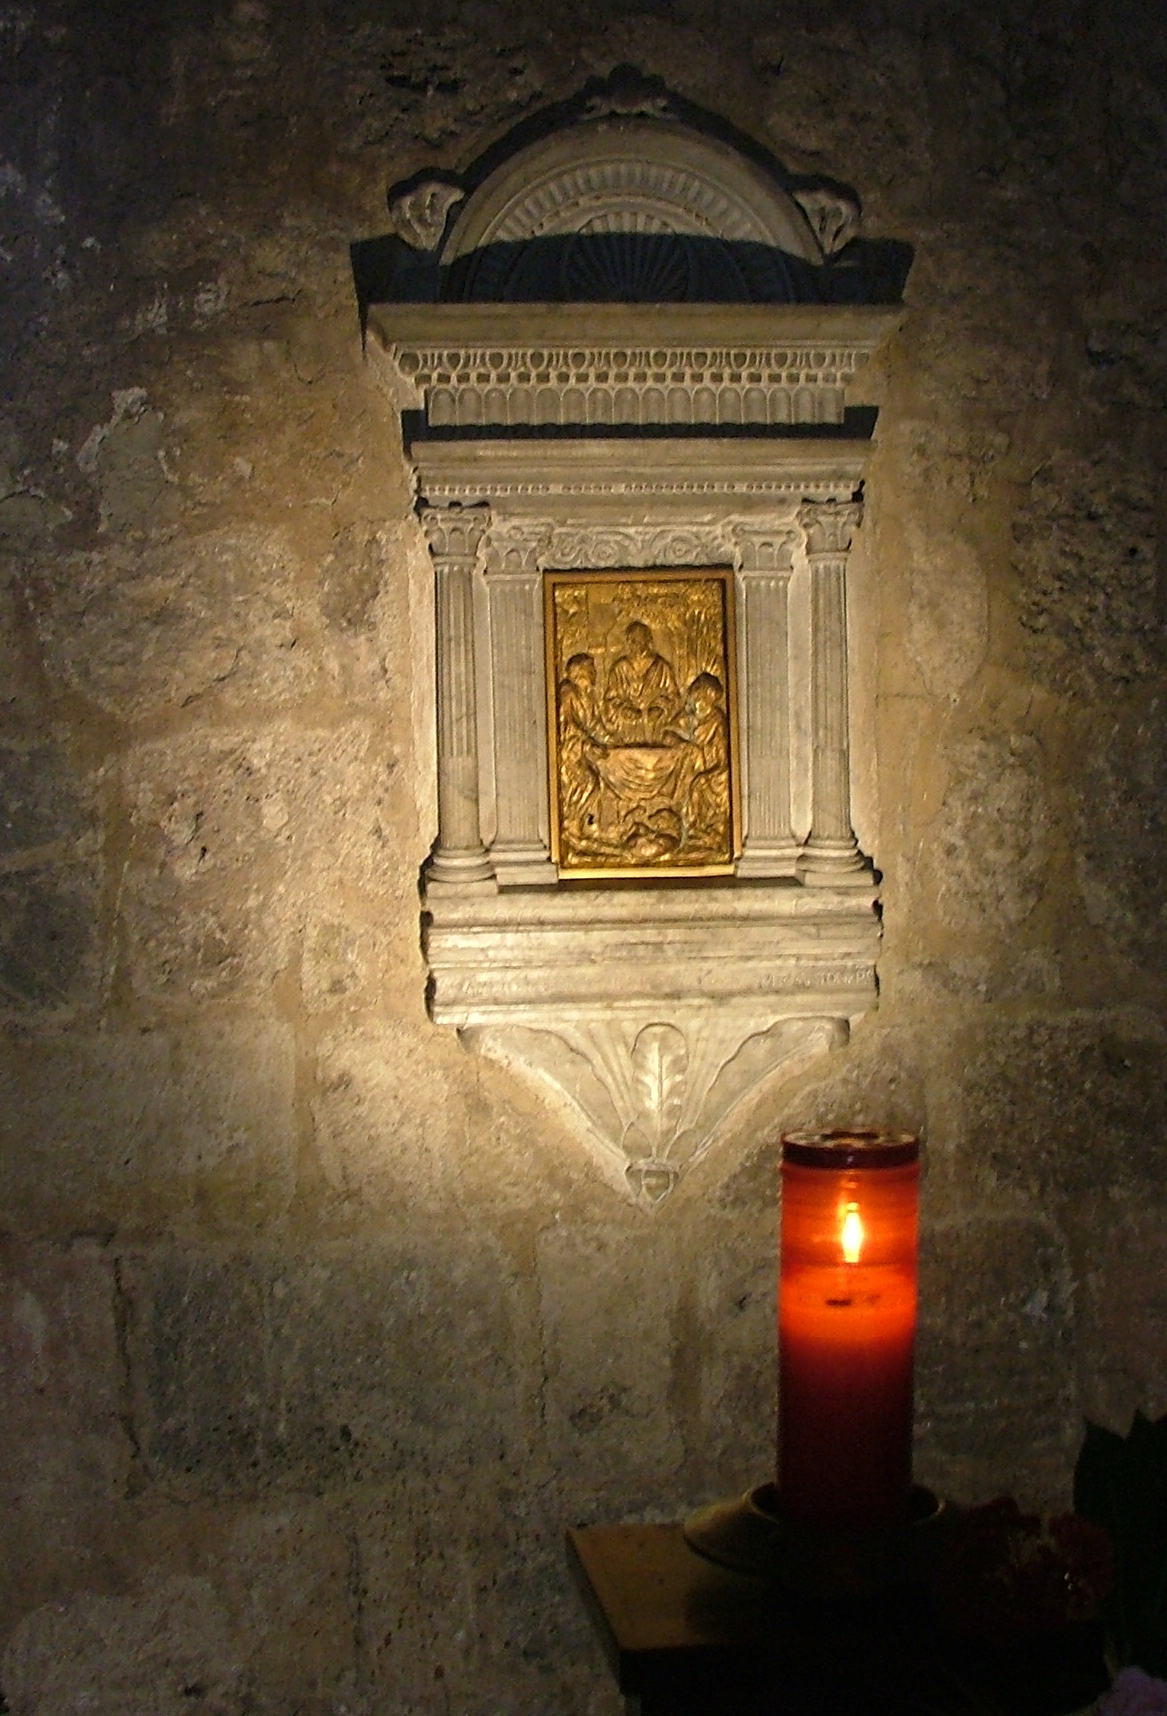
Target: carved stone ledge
652,1014
585,479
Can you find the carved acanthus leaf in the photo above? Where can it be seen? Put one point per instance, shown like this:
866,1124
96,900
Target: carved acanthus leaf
653,1093
660,1060
829,526
454,532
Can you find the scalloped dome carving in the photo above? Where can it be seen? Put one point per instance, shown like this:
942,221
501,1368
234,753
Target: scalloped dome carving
637,192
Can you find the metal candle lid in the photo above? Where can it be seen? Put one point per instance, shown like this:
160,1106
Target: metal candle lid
860,1147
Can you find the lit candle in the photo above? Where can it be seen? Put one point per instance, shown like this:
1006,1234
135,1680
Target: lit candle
847,1326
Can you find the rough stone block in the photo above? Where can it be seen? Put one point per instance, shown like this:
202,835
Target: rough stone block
286,1579
1121,1258
65,1454
725,1364
996,1396
948,612
154,630
132,1128
40,798
153,1653
1120,826
242,840
50,959
609,1308
1086,541
466,1603
1067,1110
986,861
376,1138
324,1370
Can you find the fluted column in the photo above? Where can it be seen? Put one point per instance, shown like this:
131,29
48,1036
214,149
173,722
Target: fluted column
763,582
520,852
832,852
454,534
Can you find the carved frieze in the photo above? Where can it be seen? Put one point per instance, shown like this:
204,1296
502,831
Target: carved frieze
788,366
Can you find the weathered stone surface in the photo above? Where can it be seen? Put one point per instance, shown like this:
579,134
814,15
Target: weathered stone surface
990,842
241,839
724,1383
286,1579
160,627
1087,540
1121,1311
40,800
1067,1111
125,459
996,1397
948,613
49,952
1119,829
433,1628
129,1128
216,702
66,1454
374,1139
321,1371
609,1349
152,1652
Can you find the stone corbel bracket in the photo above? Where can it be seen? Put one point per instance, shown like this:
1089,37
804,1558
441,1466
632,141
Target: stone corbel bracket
652,1014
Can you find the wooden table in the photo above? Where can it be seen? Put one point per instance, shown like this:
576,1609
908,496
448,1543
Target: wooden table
686,1638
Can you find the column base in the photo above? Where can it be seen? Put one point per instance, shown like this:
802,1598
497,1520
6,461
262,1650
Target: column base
777,857
834,864
450,868
527,866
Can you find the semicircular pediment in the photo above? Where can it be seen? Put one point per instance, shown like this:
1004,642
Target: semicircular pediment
631,175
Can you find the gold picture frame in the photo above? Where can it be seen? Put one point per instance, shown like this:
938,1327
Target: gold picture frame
642,728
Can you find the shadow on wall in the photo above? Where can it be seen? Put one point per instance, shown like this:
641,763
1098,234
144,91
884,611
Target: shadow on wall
629,268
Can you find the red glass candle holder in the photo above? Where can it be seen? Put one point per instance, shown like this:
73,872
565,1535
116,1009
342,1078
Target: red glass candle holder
847,1327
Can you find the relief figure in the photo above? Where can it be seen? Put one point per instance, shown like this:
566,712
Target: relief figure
580,743
641,697
643,773
707,798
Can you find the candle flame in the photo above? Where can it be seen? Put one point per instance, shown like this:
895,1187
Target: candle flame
851,1233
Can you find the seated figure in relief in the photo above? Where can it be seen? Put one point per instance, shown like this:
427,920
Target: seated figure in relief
641,699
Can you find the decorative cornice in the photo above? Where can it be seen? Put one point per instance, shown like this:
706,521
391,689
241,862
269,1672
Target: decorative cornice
677,365
526,474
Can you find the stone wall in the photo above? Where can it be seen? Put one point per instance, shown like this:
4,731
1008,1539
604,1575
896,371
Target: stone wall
316,1330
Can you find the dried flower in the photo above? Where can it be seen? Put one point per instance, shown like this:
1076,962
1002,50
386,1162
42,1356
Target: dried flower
1006,1576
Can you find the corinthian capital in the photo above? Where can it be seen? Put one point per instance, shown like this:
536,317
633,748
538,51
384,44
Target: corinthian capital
454,532
829,526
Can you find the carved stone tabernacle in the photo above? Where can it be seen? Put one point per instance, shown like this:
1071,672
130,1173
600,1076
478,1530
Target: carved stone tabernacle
639,515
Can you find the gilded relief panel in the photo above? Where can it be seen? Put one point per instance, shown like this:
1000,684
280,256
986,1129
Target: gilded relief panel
642,723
